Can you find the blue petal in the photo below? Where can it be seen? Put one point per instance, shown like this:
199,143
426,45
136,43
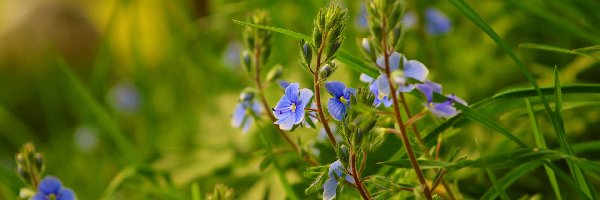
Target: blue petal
66,194
329,189
337,168
305,96
283,84
350,179
456,99
437,22
380,62
299,114
406,87
257,108
282,107
38,196
428,89
238,115
247,124
291,92
409,20
287,121
416,70
365,78
383,86
387,101
443,110
50,185
394,60
336,108
335,88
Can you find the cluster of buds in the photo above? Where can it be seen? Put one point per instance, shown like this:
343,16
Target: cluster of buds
30,164
328,31
357,126
257,42
385,20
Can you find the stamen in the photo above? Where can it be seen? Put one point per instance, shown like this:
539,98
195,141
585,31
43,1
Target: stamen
293,107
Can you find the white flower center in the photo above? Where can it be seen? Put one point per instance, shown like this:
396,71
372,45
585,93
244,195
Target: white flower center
293,107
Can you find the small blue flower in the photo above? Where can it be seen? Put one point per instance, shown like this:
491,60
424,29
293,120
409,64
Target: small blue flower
380,89
409,20
232,54
51,188
411,69
245,111
290,108
362,17
336,170
338,105
444,109
125,97
437,22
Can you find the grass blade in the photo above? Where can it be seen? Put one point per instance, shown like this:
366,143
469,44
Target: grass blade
541,143
562,138
509,179
554,49
498,188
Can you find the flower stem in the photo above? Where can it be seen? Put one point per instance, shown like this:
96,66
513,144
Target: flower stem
266,107
403,135
363,192
317,86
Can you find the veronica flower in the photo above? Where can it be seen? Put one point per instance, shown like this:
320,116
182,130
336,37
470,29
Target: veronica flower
362,17
437,22
444,109
232,54
381,95
51,188
245,111
339,104
125,97
290,108
411,69
336,170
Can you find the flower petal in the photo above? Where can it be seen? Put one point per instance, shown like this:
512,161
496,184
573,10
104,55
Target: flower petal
50,184
305,96
365,78
406,87
66,194
238,115
395,61
282,107
287,121
38,196
329,189
335,88
257,108
380,62
291,92
299,114
247,124
437,22
336,108
383,87
456,99
443,110
416,70
283,84
428,88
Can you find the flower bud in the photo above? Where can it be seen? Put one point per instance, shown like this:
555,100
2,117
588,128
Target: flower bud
343,155
275,73
306,52
327,70
20,159
247,60
366,45
39,161
247,95
23,173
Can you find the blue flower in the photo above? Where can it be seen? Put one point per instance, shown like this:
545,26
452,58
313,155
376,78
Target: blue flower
51,188
437,22
245,111
362,17
336,170
444,109
411,69
290,108
380,89
232,54
125,97
338,105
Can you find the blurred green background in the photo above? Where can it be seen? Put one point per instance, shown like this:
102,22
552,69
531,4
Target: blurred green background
132,99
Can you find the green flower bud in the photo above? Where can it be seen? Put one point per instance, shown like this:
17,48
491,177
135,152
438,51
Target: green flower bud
39,161
275,73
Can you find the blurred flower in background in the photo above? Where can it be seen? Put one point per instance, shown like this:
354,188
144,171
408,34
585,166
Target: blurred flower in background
86,138
125,97
232,54
436,22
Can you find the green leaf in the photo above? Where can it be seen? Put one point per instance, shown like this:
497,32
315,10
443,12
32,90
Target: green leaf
498,188
509,179
541,143
265,163
275,29
555,49
500,161
196,192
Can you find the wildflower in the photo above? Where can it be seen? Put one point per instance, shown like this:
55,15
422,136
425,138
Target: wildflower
444,109
336,170
245,111
232,54
125,97
411,69
290,109
338,105
51,188
361,19
437,22
381,95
